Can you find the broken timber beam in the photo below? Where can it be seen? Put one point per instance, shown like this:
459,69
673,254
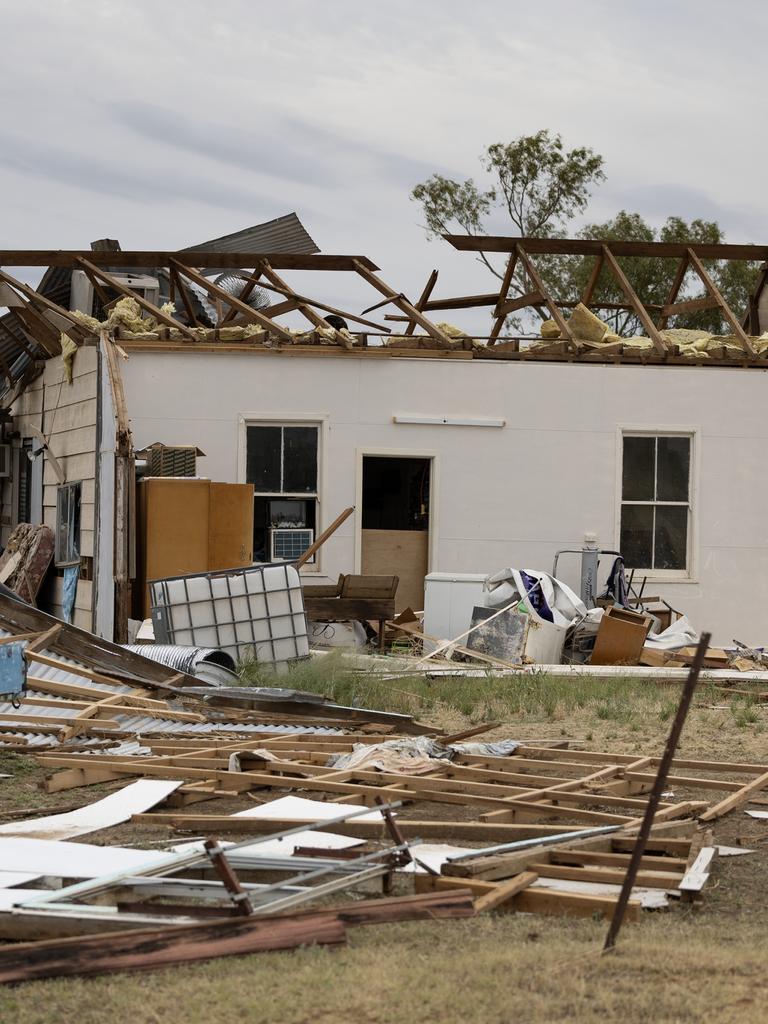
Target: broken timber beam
639,309
402,303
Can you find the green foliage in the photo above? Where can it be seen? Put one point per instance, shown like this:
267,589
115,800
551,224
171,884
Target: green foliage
541,187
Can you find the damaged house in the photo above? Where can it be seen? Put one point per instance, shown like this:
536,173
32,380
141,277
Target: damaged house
160,418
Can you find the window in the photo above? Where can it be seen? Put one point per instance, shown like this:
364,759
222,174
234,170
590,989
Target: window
68,525
655,502
282,465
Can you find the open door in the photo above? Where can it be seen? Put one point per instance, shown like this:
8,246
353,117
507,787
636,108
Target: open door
395,523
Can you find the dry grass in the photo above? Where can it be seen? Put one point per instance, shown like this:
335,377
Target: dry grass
671,967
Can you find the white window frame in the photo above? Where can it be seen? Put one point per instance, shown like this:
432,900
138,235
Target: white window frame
690,573
260,419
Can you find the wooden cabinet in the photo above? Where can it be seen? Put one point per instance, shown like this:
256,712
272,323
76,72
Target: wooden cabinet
189,525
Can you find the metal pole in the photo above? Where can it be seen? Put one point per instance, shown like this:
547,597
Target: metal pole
655,796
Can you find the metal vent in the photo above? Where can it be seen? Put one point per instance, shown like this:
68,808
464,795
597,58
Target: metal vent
166,460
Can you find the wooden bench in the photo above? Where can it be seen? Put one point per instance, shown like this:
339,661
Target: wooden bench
352,599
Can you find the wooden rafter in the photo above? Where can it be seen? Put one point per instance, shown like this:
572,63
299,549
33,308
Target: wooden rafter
147,306
303,307
39,329
725,309
402,303
178,285
422,300
589,291
677,284
639,309
219,293
593,247
538,284
248,287
506,282
296,298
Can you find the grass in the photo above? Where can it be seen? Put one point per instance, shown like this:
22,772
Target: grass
538,697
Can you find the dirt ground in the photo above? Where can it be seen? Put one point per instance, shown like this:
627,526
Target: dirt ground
682,965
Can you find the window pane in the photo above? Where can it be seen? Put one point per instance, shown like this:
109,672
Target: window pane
673,468
638,471
636,535
262,465
300,460
671,537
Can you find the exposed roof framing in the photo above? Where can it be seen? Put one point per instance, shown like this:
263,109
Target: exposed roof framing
606,254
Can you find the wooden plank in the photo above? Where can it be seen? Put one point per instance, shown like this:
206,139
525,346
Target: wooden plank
737,799
725,309
401,302
593,247
161,947
253,315
534,298
422,300
606,875
688,306
534,901
151,259
640,311
536,281
411,828
148,307
505,891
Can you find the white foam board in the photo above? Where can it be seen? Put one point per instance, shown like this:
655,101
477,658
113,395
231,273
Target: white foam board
112,810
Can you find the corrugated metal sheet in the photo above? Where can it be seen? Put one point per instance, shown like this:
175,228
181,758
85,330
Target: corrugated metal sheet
137,724
284,234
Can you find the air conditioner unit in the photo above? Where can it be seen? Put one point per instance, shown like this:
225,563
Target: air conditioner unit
289,543
81,295
172,460
5,460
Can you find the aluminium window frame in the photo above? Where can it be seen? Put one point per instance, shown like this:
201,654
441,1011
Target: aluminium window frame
690,573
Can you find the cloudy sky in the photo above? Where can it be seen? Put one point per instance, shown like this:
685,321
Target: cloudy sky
163,124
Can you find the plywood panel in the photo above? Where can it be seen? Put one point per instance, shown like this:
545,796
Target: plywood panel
230,526
173,525
403,553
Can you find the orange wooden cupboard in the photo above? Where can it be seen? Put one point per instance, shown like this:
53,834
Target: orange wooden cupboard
188,525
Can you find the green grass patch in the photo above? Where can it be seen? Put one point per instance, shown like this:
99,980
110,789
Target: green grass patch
538,696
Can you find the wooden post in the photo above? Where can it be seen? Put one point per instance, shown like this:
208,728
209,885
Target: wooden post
422,300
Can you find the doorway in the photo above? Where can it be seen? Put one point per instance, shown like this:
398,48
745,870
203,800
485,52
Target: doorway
395,523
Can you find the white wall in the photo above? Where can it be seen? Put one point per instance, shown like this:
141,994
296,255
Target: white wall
508,496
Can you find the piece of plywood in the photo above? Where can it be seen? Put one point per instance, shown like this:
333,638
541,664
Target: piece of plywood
401,553
112,810
173,529
230,526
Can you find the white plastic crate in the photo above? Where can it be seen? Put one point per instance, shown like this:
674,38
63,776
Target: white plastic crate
249,613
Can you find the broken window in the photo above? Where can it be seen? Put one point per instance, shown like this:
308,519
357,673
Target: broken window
655,501
68,525
282,465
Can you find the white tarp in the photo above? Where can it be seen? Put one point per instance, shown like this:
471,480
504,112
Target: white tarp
112,810
69,860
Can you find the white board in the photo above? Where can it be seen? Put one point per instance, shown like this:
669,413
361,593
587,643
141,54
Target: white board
114,809
69,860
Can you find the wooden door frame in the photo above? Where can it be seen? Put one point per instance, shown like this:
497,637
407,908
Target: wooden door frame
398,453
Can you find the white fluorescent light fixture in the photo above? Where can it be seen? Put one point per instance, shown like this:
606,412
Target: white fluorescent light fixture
449,421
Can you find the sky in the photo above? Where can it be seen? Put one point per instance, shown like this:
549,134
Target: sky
166,123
